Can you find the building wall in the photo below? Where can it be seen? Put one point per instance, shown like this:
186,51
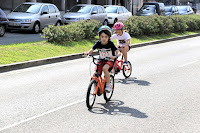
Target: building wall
10,4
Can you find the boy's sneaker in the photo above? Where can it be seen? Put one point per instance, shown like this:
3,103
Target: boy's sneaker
108,88
125,63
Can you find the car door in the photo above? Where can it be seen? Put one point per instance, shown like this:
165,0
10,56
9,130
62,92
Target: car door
176,10
45,17
53,15
120,14
102,14
94,13
126,14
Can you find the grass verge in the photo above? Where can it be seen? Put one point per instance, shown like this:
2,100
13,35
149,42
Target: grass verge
38,50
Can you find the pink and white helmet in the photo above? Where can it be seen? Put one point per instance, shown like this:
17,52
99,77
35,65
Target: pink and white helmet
118,26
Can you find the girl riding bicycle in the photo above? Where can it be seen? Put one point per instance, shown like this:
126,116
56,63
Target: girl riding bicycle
123,40
106,49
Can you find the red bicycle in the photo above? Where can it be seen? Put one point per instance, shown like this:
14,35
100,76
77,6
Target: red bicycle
126,69
97,86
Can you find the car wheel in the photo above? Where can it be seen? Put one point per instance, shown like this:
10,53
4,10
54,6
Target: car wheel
105,22
58,23
2,30
36,27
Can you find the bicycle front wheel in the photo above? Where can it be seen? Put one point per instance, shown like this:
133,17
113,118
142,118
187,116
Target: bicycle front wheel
91,96
107,96
127,70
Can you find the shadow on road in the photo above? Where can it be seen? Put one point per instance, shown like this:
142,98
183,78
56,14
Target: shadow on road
115,108
132,81
21,32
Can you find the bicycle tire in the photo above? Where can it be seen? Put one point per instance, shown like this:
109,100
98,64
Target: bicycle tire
127,73
107,96
90,100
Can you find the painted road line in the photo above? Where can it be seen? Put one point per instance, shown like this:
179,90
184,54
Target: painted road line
40,115
188,63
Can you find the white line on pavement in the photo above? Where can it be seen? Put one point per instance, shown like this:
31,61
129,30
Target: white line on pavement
188,63
40,115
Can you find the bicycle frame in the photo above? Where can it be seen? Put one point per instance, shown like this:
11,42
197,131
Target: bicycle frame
100,84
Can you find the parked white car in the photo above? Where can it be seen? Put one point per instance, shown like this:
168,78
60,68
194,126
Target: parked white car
116,13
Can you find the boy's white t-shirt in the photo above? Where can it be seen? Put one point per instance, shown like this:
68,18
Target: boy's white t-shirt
121,40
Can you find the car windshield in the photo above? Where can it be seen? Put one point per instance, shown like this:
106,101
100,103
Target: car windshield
183,8
81,9
168,9
28,8
111,9
147,7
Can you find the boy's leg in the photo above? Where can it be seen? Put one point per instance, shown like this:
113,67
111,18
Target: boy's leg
106,72
107,75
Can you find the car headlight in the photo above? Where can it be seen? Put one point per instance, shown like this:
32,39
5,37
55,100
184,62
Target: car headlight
80,19
26,20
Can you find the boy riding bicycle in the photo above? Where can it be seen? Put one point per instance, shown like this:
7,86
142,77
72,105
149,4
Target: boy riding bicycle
106,49
123,40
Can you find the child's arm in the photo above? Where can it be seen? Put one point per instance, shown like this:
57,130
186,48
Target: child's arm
118,53
89,52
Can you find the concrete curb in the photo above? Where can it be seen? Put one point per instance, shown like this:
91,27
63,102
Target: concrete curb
21,65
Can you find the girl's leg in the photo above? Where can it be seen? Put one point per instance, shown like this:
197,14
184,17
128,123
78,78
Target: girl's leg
124,52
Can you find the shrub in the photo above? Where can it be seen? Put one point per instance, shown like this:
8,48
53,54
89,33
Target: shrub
71,32
152,25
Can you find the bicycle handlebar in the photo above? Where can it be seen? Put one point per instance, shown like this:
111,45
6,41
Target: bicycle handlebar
105,59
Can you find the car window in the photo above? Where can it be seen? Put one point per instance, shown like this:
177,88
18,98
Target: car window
111,9
124,9
81,9
182,8
120,10
168,9
148,7
52,9
28,8
45,9
94,10
100,9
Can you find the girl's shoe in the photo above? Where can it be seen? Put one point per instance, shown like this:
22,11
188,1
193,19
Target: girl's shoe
125,63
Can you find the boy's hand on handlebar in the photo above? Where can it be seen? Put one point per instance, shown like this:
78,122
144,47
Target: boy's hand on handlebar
85,53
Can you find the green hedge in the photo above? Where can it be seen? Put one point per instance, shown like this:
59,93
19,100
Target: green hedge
152,25
136,25
71,32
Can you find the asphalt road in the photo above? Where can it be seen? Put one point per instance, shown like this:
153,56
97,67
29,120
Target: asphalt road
161,96
14,37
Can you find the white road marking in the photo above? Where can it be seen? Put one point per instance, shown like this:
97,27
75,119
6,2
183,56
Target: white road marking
188,63
40,115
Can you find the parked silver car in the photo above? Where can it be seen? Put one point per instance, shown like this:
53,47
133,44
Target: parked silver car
86,12
185,10
3,23
33,16
117,13
171,10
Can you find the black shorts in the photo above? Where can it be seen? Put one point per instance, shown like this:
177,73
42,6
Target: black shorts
128,46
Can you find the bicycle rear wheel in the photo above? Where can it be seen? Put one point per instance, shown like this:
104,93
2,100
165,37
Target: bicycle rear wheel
127,70
91,96
107,96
